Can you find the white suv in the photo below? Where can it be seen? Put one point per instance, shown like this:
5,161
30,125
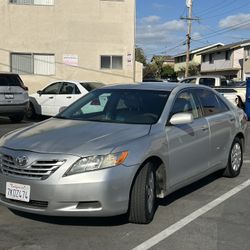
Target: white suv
14,98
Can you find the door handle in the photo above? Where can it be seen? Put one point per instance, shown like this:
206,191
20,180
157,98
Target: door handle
51,97
204,128
68,97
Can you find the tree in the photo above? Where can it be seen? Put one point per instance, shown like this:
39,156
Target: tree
168,72
140,56
158,62
150,71
194,69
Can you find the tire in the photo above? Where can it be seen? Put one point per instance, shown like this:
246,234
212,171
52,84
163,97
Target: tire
235,159
16,118
143,196
31,113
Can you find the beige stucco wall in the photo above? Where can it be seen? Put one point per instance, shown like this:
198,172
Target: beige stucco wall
88,29
196,60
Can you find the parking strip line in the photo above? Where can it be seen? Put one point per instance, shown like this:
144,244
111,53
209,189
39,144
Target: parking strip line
186,220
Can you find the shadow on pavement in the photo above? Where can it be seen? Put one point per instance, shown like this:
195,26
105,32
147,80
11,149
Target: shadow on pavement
6,120
76,221
190,188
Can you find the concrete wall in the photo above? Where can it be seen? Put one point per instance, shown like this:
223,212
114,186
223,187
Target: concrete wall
86,29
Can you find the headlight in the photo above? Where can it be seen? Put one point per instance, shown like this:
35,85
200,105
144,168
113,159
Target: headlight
97,162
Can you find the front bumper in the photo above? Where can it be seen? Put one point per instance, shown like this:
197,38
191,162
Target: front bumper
97,193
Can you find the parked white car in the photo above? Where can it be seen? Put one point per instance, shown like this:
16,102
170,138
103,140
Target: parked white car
57,95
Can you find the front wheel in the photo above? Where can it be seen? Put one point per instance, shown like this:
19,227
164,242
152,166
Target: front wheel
235,159
143,196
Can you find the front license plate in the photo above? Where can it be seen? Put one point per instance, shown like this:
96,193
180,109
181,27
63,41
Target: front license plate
19,192
8,96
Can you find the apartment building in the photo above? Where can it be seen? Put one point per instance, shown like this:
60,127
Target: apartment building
49,40
194,57
226,60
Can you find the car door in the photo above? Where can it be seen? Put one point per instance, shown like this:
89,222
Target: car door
47,98
221,123
68,94
189,143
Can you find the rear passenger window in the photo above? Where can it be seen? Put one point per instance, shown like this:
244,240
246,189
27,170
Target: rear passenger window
207,81
211,104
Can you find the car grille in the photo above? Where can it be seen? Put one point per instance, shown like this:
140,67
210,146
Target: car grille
40,170
30,204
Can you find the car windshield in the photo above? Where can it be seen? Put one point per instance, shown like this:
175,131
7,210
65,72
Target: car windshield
118,106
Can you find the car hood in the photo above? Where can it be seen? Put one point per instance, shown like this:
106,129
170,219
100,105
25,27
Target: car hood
79,138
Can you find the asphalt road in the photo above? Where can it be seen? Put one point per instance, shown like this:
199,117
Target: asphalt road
184,220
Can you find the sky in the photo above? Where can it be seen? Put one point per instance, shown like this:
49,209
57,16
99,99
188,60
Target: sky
160,31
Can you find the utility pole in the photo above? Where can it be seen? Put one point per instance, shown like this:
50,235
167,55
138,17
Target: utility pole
189,19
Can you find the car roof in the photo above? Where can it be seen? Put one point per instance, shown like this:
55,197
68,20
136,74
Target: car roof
145,86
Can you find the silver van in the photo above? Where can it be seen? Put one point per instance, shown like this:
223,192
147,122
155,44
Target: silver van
14,98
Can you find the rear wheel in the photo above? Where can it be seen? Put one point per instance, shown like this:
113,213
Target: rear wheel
235,159
16,118
31,113
143,196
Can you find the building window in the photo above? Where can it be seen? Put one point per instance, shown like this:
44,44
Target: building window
227,55
203,58
111,62
211,58
33,64
247,49
33,2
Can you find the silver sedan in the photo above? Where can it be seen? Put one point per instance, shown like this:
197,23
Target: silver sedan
118,148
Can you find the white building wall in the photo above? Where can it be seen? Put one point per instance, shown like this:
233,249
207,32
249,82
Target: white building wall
238,58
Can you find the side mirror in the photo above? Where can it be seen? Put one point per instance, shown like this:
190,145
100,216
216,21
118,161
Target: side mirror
39,92
181,118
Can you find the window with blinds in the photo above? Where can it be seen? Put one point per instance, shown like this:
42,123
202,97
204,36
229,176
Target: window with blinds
111,62
37,64
33,2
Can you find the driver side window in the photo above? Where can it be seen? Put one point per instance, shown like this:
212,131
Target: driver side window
186,103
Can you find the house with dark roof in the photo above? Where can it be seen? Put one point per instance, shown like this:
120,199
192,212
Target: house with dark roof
231,60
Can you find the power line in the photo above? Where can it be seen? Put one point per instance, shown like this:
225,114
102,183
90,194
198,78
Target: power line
225,30
228,11
215,7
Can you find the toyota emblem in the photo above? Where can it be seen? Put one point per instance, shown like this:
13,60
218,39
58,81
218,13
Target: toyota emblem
21,161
